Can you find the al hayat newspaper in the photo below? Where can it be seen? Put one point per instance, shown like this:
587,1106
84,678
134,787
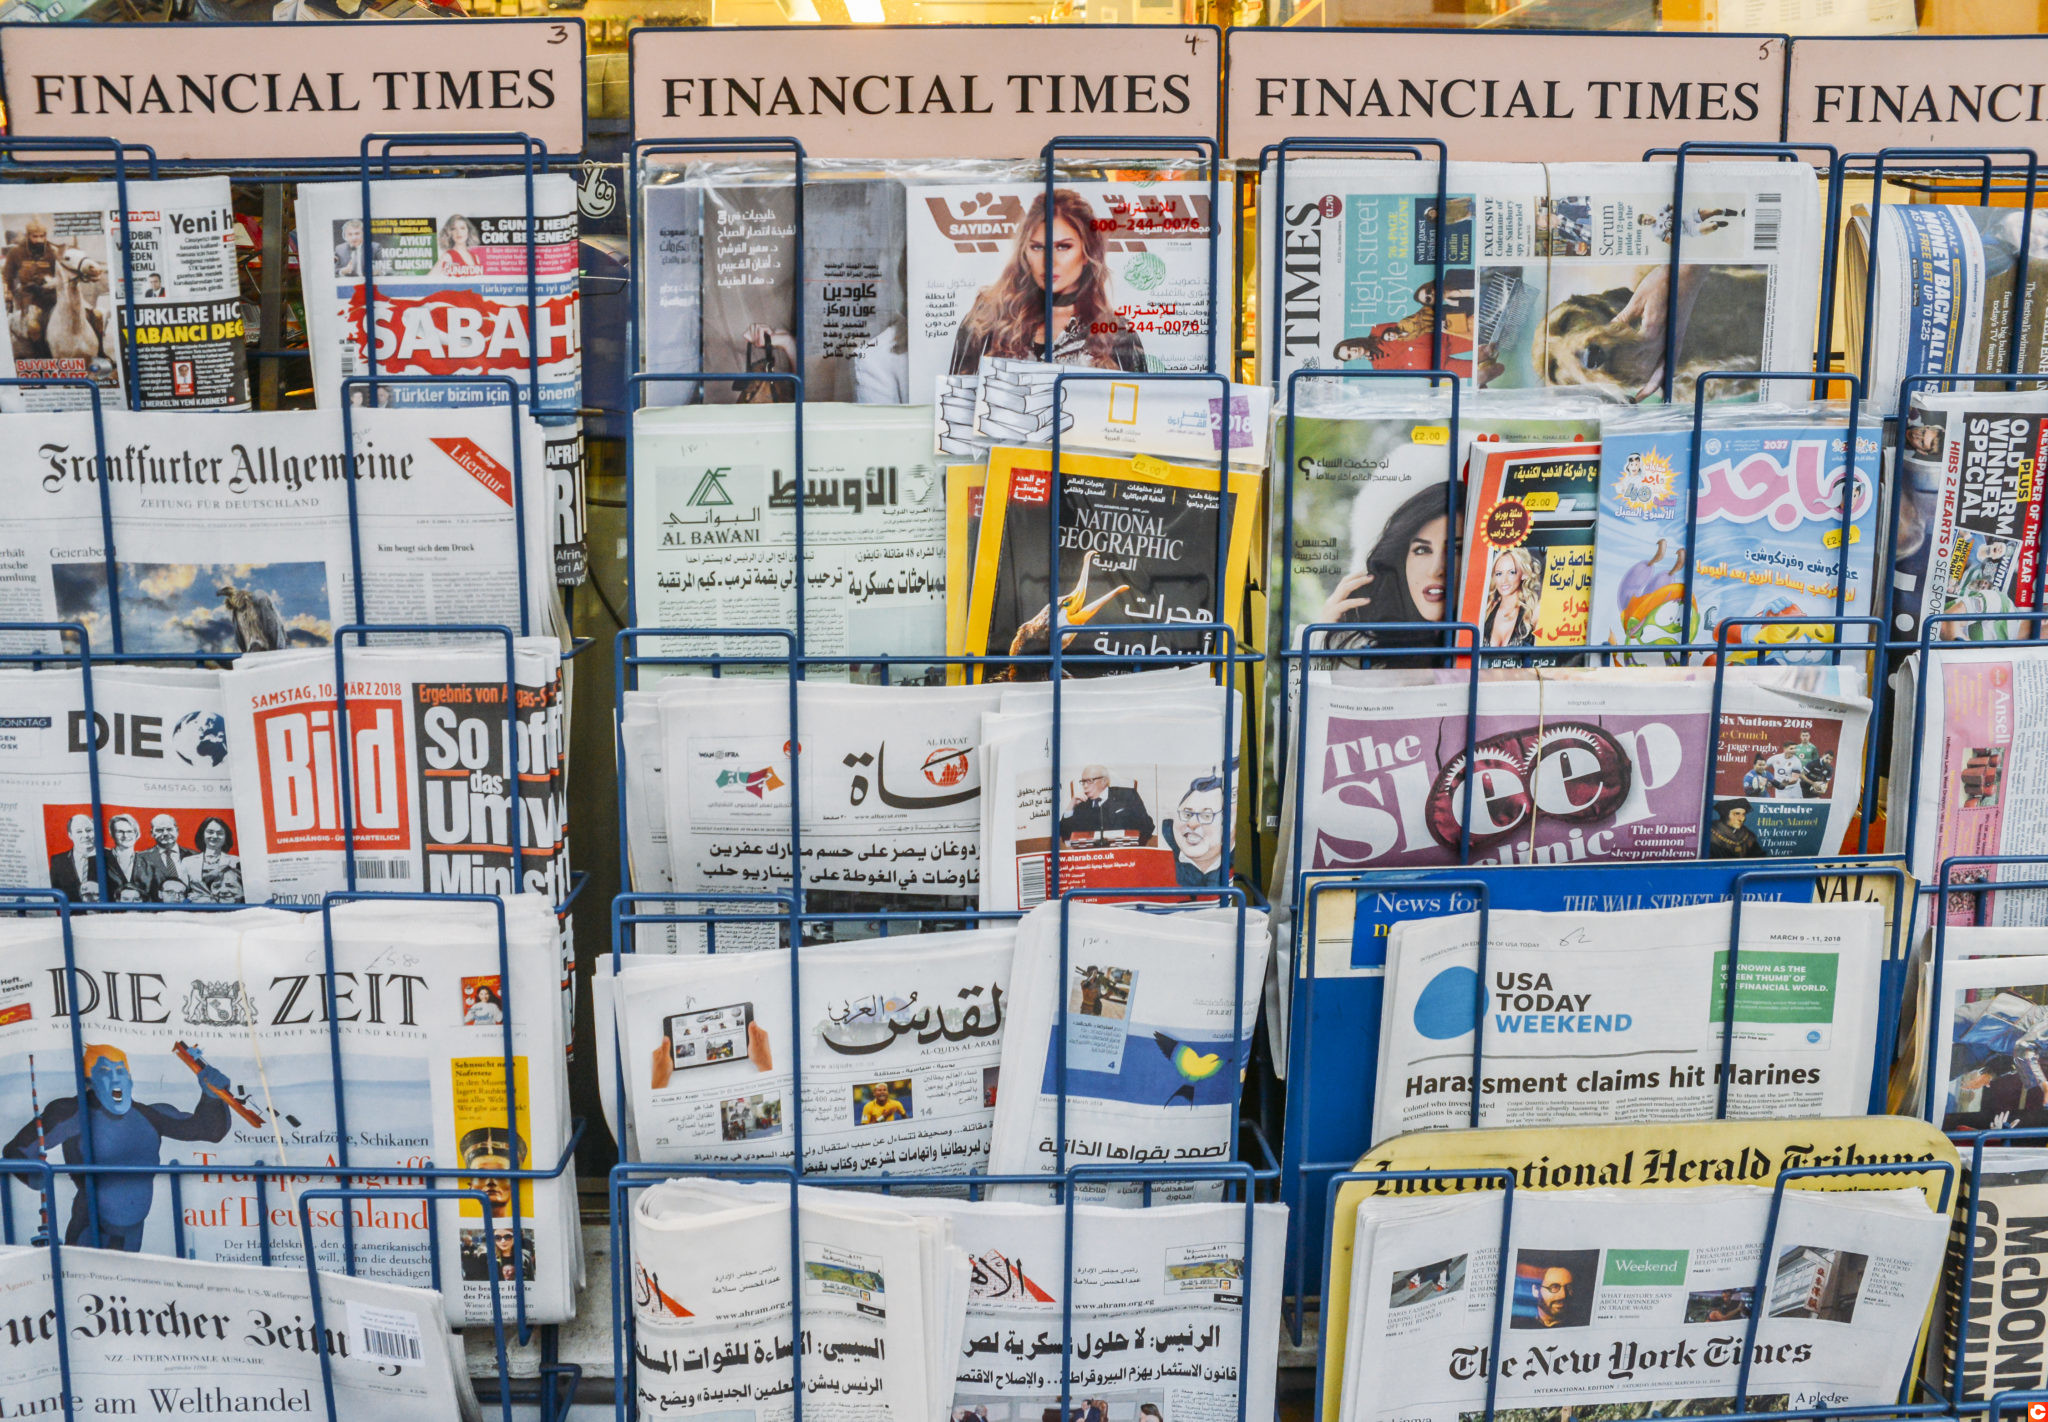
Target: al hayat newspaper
882,1295
1569,1038
166,829
1649,1292
233,535
715,528
206,1041
180,1336
1159,1301
433,769
61,279
1152,1067
1553,274
901,1041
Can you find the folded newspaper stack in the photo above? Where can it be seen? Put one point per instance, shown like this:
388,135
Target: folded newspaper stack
721,1321
900,1042
1159,1012
181,1337
1990,1051
1179,419
1635,1302
1601,1018
228,1058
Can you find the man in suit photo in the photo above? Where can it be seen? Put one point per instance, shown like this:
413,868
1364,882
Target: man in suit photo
1103,811
71,871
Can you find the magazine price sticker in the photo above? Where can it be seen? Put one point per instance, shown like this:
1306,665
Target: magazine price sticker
289,91
1941,91
1505,97
925,92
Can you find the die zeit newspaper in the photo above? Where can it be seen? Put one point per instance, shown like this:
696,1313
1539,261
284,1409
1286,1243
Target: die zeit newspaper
61,282
164,1337
431,765
207,1043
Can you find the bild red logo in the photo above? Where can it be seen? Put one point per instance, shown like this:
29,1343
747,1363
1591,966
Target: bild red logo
1574,772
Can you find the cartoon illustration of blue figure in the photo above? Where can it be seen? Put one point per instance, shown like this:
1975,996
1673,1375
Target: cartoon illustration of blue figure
124,1132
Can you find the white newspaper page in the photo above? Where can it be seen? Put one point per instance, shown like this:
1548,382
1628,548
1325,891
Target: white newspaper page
1605,1018
1152,1070
1991,1058
1636,1302
161,1337
233,535
61,282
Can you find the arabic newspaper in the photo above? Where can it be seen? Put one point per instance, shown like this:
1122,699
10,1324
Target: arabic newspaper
715,1327
1153,1071
715,522
1999,1351
1178,420
225,1058
61,281
1571,1037
671,291
1635,1300
233,535
1160,1302
167,1337
900,1037
432,763
166,832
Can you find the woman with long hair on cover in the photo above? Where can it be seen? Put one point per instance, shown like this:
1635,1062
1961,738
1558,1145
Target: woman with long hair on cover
1008,316
1401,579
1514,600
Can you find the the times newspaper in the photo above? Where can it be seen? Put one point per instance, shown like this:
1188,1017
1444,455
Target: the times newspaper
61,283
901,1042
1635,1302
716,1332
434,768
233,535
1999,1328
166,829
162,1337
207,1043
1570,1037
1152,1070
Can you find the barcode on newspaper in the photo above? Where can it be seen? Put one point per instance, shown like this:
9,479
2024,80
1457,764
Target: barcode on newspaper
1031,880
387,1333
383,868
1764,236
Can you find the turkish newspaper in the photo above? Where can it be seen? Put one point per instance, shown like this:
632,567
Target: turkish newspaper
1570,1038
226,1058
441,777
63,283
1151,1069
1160,1303
901,1041
721,1328
1636,1302
167,1337
166,826
234,535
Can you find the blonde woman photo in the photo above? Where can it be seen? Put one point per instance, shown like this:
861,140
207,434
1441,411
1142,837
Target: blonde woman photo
1514,598
1008,316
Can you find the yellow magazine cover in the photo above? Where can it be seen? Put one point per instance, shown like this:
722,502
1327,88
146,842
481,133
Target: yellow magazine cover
963,523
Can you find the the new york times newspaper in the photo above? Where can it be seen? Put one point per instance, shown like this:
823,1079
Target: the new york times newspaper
1572,1037
1152,1067
206,1043
883,1295
61,283
164,1337
901,1040
1635,1302
434,766
233,535
1160,1299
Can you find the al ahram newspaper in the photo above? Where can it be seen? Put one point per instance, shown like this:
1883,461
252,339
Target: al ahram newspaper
225,1058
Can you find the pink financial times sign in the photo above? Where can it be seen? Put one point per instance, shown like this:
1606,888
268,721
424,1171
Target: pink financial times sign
1941,91
291,91
1510,97
981,91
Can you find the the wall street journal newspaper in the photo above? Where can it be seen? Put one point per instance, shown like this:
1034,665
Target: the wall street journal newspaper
1160,1300
167,1337
61,280
1152,1068
901,1039
434,767
1595,1018
207,1042
716,1328
1652,1289
166,828
233,535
